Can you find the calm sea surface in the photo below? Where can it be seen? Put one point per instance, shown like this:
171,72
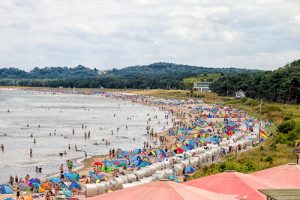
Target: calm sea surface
46,113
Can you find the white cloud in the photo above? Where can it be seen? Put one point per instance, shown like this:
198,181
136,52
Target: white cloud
261,34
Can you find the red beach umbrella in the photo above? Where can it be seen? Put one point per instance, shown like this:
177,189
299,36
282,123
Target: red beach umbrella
239,185
98,163
166,190
288,174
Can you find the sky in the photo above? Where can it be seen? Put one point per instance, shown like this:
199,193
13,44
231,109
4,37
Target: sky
105,34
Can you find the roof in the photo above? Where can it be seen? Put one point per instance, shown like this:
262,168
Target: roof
283,174
166,190
240,91
242,186
282,194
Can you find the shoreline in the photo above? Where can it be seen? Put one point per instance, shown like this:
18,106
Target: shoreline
88,163
84,163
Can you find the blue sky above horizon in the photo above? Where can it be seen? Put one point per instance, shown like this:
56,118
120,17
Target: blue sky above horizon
256,34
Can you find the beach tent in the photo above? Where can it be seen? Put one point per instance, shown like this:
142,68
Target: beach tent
5,189
96,176
34,182
67,193
241,186
189,169
123,154
55,180
151,153
161,152
119,163
137,151
71,176
46,186
23,187
138,161
288,174
74,184
166,190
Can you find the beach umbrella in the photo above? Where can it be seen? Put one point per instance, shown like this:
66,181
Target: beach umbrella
239,185
55,180
5,189
98,163
288,174
166,190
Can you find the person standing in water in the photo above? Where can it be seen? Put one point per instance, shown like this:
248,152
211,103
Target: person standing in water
61,169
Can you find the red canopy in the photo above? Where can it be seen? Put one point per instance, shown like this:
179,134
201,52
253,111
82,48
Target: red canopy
165,190
288,174
242,186
98,163
179,150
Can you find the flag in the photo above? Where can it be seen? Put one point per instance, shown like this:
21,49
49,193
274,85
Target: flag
263,134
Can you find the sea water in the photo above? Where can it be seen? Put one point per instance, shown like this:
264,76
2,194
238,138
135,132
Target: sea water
24,114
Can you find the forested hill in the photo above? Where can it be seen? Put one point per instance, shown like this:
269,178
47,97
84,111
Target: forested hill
170,70
281,85
152,71
49,73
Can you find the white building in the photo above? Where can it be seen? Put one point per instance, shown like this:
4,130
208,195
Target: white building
202,86
240,94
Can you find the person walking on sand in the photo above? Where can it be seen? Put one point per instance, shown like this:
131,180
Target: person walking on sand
113,152
2,147
61,169
30,152
11,180
16,179
18,193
